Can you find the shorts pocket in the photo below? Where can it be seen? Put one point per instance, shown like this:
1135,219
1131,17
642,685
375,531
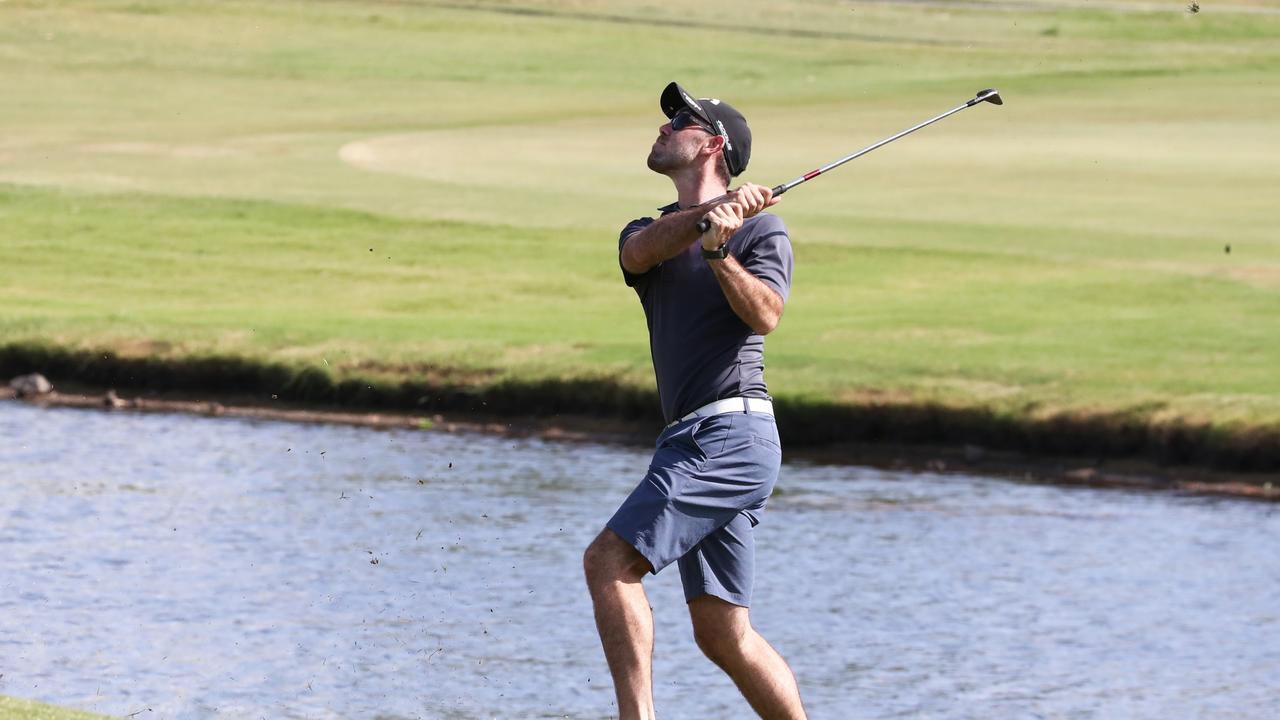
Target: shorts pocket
711,433
767,444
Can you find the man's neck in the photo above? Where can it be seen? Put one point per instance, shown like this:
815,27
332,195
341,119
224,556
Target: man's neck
696,189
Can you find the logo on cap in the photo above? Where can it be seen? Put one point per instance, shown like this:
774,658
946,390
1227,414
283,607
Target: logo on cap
725,134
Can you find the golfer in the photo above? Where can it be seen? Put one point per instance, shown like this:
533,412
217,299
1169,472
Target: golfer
709,299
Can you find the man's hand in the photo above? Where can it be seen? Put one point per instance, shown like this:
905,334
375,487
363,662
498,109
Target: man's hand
725,220
753,198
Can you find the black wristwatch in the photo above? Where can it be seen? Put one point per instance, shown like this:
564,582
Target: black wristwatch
719,253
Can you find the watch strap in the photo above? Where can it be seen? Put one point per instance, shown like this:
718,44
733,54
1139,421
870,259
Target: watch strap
719,253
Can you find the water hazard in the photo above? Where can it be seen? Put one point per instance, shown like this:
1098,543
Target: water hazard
200,568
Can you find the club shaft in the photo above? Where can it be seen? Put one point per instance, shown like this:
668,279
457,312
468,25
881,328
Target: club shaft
990,94
831,166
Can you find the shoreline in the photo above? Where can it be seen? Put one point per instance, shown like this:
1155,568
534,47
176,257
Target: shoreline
940,459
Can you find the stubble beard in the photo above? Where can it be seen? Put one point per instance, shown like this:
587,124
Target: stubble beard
669,158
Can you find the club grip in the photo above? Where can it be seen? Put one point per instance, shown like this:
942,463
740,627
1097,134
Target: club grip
705,225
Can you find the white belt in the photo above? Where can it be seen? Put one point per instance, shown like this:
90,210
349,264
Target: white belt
728,405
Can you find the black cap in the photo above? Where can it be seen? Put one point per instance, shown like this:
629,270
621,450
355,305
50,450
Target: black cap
719,115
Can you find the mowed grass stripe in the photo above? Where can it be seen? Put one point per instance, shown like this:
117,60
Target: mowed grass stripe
934,323
195,272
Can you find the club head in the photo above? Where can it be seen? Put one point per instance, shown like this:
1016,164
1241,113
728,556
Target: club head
990,95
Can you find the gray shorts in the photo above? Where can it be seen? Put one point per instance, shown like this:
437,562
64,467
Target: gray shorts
704,492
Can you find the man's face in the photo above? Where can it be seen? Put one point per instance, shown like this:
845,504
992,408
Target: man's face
678,143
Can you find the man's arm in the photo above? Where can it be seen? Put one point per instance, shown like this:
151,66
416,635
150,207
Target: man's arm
753,301
757,304
672,234
663,239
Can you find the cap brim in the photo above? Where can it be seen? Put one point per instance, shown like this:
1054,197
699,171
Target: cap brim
675,98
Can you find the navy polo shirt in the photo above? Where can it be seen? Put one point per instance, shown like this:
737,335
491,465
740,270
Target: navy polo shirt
702,351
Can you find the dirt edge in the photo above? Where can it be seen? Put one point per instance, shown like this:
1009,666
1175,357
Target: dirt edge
941,460
1098,448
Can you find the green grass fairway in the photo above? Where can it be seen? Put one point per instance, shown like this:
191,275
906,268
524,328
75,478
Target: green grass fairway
15,709
410,188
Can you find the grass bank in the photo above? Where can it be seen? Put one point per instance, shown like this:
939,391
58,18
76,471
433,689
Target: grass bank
16,709
373,203
805,423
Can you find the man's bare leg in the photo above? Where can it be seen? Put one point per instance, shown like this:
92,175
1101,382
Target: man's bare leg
614,570
724,633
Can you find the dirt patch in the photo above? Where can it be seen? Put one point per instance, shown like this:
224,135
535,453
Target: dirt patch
1071,471
567,427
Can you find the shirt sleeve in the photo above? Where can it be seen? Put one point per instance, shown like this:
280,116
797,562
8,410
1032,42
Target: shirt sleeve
767,255
632,228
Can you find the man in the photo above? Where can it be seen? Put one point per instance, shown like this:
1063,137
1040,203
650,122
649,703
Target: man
709,298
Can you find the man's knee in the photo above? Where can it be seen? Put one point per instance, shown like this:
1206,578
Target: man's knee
609,558
721,647
720,628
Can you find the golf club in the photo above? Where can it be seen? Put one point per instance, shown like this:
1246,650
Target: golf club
990,95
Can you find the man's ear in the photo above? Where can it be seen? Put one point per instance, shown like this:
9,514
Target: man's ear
714,145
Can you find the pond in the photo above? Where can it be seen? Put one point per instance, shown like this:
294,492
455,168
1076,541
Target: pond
176,566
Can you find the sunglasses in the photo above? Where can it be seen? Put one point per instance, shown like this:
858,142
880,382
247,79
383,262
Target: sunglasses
685,119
